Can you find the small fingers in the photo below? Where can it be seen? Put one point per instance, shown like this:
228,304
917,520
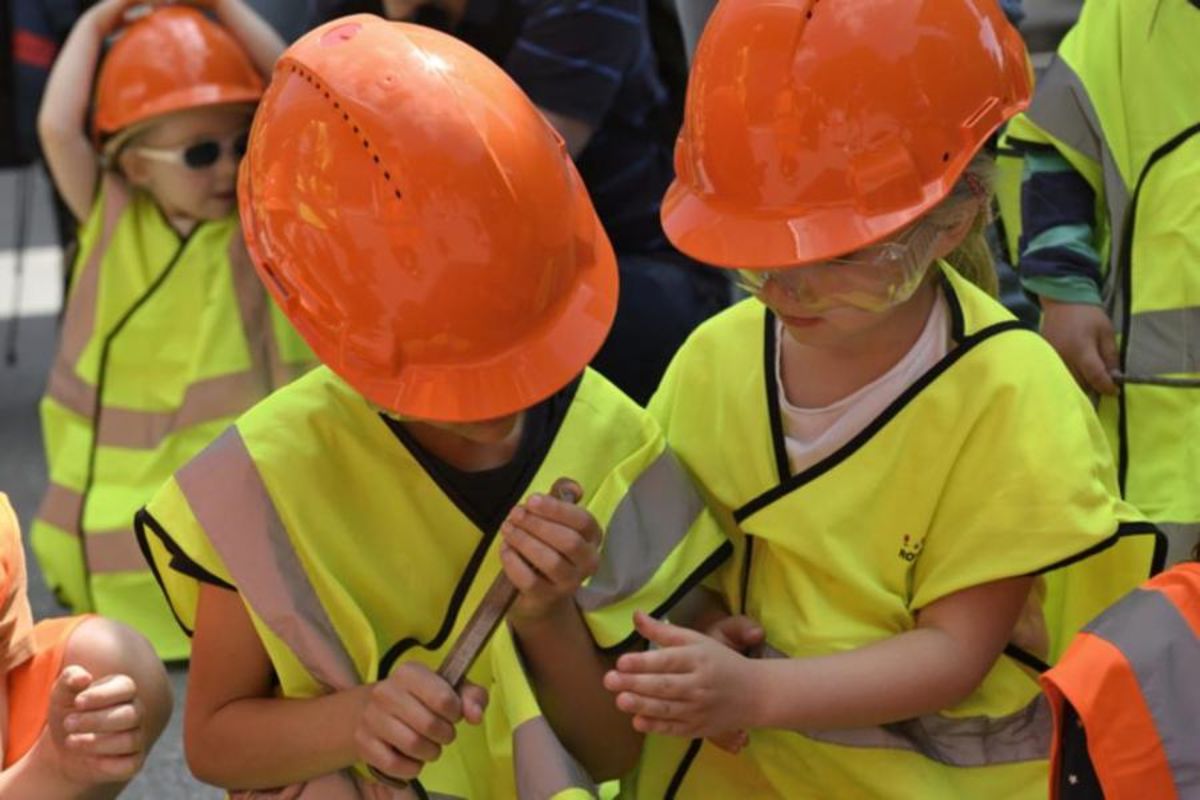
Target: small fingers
385,759
664,686
1095,374
557,551
474,701
642,705
669,660
126,743
401,737
123,717
108,691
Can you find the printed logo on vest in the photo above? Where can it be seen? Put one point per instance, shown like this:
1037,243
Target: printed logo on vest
910,548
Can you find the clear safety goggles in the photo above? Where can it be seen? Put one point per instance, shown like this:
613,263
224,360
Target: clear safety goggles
875,278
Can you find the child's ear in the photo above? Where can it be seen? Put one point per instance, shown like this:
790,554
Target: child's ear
133,168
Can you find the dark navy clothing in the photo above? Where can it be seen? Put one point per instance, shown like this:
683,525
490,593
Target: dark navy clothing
591,60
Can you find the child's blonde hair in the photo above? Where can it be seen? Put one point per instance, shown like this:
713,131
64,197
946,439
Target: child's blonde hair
973,257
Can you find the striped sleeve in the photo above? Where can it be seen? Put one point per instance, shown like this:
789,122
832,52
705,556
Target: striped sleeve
1059,259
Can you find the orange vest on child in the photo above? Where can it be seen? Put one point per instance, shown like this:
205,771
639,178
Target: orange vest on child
1133,676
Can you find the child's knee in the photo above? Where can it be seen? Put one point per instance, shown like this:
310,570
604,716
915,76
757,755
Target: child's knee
106,647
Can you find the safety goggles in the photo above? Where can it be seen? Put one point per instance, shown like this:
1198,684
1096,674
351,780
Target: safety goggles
875,278
199,155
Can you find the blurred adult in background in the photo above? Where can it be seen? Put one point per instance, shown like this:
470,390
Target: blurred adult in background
592,69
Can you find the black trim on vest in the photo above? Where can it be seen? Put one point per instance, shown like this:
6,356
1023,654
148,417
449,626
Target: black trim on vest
899,404
783,467
681,771
958,320
142,520
1124,529
1157,561
536,460
1126,264
714,560
1022,656
1020,146
101,374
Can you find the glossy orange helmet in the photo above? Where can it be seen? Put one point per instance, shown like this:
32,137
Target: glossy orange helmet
422,225
172,58
816,127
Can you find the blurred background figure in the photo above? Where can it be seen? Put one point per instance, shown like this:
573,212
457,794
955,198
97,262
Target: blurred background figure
1109,227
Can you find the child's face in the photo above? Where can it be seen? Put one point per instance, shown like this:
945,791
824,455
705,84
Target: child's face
492,431
173,160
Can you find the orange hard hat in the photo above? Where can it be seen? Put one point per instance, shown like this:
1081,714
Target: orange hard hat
815,127
422,225
172,58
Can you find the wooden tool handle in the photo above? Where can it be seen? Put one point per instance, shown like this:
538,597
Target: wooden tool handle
483,623
492,608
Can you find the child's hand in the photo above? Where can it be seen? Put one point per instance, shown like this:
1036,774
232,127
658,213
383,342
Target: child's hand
96,727
742,634
694,686
411,715
108,15
550,547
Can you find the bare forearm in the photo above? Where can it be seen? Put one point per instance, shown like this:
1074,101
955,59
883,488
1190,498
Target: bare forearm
918,672
568,671
242,745
62,117
260,40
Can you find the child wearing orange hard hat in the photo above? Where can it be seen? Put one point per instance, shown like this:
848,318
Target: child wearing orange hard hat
921,505
167,335
82,698
426,231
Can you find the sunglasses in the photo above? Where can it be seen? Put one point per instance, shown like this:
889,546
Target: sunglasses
202,154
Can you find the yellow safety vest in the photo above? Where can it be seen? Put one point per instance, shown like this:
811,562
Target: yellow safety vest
990,466
164,343
1120,104
351,559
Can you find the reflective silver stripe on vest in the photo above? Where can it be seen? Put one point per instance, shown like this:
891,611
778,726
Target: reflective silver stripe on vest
227,496
1061,107
111,551
543,766
61,507
650,521
955,741
208,400
108,551
1164,343
1164,654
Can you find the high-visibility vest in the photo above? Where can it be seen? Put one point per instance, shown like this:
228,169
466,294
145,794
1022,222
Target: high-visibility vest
990,466
164,343
1132,677
1119,102
352,558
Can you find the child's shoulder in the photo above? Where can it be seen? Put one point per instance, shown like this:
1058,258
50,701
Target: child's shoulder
11,555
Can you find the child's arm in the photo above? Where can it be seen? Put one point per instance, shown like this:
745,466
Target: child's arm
255,34
550,547
696,686
62,119
233,723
